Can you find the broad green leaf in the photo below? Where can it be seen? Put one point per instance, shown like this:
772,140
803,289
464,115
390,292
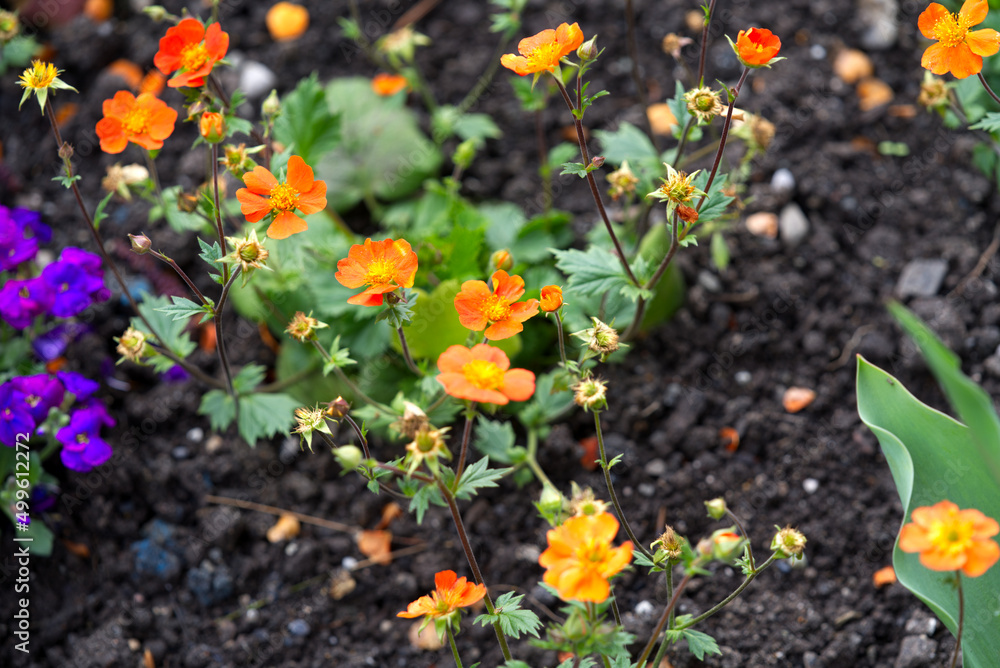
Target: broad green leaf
933,457
183,309
382,152
513,620
265,415
591,272
171,330
307,124
494,439
180,221
700,643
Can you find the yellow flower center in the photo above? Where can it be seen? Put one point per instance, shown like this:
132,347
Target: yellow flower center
951,535
39,75
484,375
380,272
193,56
545,57
496,308
283,197
136,121
951,30
593,552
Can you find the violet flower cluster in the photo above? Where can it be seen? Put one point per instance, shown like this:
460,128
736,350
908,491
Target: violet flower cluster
64,288
25,402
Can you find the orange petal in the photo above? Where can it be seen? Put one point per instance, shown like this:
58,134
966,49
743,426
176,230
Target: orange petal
518,384
350,273
216,41
981,557
570,37
453,359
314,199
190,30
366,298
483,351
376,545
963,62
252,205
300,175
884,576
973,12
529,44
260,181
509,287
983,42
517,63
285,225
112,135
444,579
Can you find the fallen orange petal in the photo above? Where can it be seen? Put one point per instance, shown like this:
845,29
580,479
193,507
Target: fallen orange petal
730,438
589,458
389,513
79,549
884,576
376,545
99,11
797,398
873,93
287,527
206,337
661,118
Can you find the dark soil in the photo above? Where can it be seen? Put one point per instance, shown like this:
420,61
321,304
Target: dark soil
207,589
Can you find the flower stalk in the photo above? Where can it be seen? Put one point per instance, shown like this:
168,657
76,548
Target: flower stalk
611,489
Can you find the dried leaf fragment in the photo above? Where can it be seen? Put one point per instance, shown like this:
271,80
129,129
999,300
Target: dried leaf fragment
852,65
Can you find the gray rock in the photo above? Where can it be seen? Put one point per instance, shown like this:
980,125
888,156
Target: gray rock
256,79
299,627
880,21
921,624
916,652
793,226
783,181
921,278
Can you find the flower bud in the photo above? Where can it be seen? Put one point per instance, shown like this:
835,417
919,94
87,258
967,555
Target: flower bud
669,543
212,127
788,542
464,153
140,243
704,104
716,508
551,502
597,161
622,181
591,394
588,50
155,12
726,544
131,345
552,299
338,408
271,106
502,259
303,327
348,456
601,338
9,26
65,151
310,420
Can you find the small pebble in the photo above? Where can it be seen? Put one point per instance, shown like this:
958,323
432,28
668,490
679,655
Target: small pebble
180,452
817,52
256,79
644,609
647,490
810,485
348,563
195,434
793,225
656,467
743,377
921,278
782,181
299,627
709,281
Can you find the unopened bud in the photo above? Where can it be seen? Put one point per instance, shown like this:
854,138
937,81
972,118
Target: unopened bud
9,26
464,153
212,127
502,259
338,408
271,106
726,544
65,151
196,109
348,456
597,161
155,12
551,501
588,50
140,243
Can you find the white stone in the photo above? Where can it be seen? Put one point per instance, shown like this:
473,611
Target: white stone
256,79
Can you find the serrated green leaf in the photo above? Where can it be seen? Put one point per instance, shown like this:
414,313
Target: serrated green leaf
219,408
592,272
172,331
182,309
494,439
990,122
306,124
265,415
514,621
478,476
248,378
700,643
99,214
339,357
210,253
577,169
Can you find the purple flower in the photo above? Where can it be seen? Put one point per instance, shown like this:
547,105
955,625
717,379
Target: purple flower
91,264
41,392
79,386
14,248
14,416
71,286
175,374
21,301
83,447
33,221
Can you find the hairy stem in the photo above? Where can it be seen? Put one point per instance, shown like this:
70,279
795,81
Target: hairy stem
611,489
704,44
470,416
727,600
734,93
641,663
406,353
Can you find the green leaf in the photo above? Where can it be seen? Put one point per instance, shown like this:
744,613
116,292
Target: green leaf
99,214
170,329
425,495
210,253
494,439
248,378
339,357
699,643
180,221
265,415
307,124
990,122
577,169
933,457
382,152
218,406
716,203
592,272
514,621
720,251
182,309
478,476
627,143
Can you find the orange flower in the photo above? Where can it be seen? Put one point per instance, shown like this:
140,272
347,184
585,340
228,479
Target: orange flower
450,594
949,539
542,52
193,50
551,298
478,307
958,50
756,47
388,85
144,120
382,266
580,558
483,374
286,21
264,195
